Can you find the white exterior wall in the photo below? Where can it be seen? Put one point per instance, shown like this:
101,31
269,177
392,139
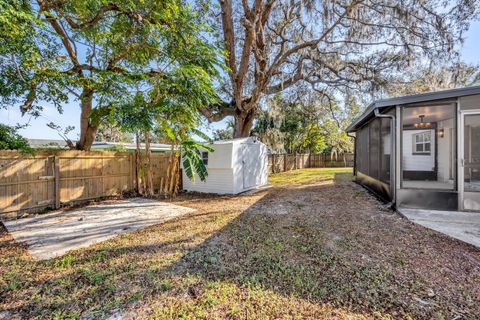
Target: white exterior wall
237,166
219,181
220,172
446,150
412,162
221,157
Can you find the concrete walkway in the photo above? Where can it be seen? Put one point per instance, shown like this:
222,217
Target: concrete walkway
52,235
464,226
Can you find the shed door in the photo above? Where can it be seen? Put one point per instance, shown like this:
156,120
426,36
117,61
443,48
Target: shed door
251,165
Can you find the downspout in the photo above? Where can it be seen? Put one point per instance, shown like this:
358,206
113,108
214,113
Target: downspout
392,154
354,153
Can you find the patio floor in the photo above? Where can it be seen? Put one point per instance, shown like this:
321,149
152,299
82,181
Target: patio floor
464,226
52,235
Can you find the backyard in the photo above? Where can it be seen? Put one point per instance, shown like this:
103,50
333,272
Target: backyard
315,245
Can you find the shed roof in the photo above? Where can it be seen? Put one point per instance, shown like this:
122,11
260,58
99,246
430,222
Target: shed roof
236,140
423,97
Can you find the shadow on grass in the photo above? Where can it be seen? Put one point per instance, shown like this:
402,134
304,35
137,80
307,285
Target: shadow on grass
328,244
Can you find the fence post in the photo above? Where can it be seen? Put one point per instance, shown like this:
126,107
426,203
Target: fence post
274,163
56,174
132,170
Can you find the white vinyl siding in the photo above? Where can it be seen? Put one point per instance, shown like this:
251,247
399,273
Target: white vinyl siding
418,162
233,167
218,181
446,151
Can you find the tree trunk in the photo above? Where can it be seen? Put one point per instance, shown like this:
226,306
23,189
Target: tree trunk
138,162
149,174
243,123
174,176
87,129
171,181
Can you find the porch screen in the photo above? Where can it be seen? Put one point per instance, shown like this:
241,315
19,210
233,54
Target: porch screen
362,150
385,150
374,149
374,146
428,147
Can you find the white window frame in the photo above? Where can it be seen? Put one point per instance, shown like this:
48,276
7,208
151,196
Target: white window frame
423,142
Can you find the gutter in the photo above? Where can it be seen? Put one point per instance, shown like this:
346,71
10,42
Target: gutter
392,153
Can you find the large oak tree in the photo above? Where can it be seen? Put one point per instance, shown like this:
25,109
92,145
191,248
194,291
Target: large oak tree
337,46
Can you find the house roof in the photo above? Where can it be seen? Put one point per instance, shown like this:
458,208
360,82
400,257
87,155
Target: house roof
131,146
61,144
423,97
237,140
48,143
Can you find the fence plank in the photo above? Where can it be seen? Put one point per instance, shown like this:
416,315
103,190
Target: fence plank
286,162
52,178
57,182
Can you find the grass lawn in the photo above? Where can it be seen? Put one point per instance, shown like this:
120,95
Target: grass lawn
314,246
313,175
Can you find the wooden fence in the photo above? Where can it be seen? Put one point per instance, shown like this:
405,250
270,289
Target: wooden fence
53,178
50,179
287,162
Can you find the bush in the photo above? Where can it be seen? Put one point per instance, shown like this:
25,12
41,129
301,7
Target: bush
11,140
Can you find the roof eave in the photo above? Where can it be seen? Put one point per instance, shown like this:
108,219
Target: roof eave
423,97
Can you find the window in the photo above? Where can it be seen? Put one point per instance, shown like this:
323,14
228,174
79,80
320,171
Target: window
422,143
205,157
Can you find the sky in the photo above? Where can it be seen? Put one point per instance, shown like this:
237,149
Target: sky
38,129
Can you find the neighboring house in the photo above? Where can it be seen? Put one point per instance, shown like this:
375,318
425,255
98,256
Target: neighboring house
422,151
48,143
154,147
61,144
233,167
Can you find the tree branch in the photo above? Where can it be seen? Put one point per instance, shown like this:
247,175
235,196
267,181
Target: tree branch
219,111
110,7
229,37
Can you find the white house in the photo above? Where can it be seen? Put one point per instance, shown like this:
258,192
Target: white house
235,166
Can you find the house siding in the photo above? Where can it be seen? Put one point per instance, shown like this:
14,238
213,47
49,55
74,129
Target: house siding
470,102
416,162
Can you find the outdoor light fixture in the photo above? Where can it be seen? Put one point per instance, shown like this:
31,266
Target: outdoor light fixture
422,124
441,133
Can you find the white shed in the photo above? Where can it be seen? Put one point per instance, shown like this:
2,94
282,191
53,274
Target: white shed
235,166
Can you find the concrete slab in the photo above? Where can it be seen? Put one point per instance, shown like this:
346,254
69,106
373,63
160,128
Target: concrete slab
52,235
464,226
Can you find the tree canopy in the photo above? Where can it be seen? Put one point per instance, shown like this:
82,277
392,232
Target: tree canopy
96,53
11,140
337,47
310,126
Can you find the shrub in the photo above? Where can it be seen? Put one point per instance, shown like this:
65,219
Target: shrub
11,140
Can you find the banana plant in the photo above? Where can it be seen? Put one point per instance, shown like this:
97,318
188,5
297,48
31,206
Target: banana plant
191,156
